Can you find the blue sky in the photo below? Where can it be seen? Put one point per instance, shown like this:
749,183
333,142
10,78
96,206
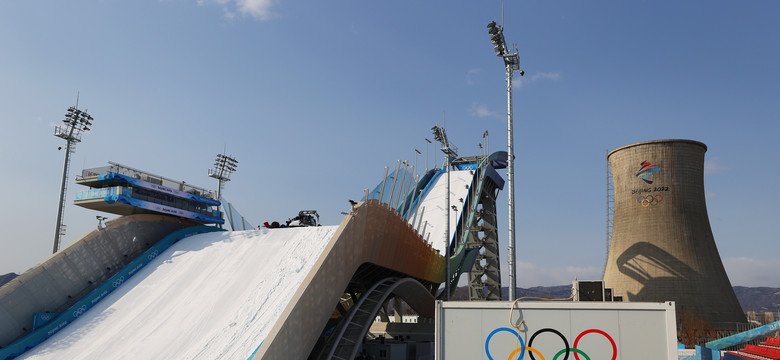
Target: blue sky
315,98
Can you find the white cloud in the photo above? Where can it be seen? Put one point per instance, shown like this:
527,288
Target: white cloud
471,74
713,166
482,111
744,271
258,9
531,78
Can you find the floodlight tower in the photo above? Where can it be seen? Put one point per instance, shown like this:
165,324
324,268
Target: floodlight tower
452,152
487,142
76,121
223,167
511,64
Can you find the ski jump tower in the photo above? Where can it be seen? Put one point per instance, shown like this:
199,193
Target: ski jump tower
479,231
662,246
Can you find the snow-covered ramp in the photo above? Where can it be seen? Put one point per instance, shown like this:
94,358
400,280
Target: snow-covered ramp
209,296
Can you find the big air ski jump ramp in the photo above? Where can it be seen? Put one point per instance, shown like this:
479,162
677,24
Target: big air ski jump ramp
264,294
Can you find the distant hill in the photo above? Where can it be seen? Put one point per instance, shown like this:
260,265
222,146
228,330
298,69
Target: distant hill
758,299
6,278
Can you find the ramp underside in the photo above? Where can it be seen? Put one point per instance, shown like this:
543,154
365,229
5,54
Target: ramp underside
373,234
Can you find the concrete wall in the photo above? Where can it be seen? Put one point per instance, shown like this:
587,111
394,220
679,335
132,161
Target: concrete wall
662,245
65,277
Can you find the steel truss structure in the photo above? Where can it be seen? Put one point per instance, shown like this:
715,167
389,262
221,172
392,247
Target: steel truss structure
485,277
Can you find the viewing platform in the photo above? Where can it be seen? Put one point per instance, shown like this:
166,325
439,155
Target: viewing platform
123,190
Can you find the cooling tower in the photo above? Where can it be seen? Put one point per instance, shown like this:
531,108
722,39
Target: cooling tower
662,246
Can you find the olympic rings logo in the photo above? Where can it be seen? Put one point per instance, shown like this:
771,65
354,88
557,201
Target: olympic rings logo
152,255
565,351
80,311
119,281
650,200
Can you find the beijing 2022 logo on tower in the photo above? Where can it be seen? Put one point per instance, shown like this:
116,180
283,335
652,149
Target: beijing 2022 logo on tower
646,170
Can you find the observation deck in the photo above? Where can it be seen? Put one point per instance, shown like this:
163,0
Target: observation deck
123,190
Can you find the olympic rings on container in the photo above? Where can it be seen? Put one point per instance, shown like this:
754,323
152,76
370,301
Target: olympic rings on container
556,332
531,350
612,341
487,342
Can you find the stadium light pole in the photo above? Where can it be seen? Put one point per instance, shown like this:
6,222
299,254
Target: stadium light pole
426,154
76,121
452,152
487,143
511,64
416,152
224,165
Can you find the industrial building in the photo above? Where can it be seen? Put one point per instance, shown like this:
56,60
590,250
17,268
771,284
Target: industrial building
662,247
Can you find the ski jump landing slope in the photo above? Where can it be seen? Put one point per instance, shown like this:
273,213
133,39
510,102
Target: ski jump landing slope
260,294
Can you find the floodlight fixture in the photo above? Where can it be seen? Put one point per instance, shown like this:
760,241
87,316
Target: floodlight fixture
224,166
75,123
511,64
441,136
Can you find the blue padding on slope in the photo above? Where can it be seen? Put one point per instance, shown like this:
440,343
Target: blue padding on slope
434,175
744,337
256,350
46,331
423,186
41,319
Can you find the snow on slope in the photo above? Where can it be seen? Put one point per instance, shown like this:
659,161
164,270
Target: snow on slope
209,296
435,207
